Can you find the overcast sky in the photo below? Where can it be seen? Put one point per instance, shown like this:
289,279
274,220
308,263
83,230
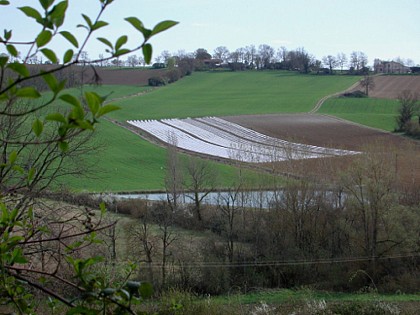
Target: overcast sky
383,29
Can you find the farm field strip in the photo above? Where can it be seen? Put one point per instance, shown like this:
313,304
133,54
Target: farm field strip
183,140
217,137
267,140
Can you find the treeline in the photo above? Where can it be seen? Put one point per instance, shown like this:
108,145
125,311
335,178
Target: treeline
266,57
361,232
250,57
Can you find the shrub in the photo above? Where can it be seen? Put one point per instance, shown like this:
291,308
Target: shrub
157,81
173,75
356,94
412,129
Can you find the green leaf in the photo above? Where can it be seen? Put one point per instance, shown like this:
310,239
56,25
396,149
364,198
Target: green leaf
106,42
88,20
12,50
4,2
37,127
147,53
51,80
121,52
3,60
19,68
121,41
69,36
63,145
68,98
107,109
32,13
77,114
85,125
12,157
163,26
94,101
50,55
58,12
7,34
56,117
68,56
46,3
31,174
43,38
18,168
29,92
98,25
136,23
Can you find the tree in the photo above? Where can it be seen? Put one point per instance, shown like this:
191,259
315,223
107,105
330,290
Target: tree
132,61
249,56
37,142
408,105
330,62
369,185
358,61
341,60
165,56
367,83
200,182
266,52
174,175
202,54
221,53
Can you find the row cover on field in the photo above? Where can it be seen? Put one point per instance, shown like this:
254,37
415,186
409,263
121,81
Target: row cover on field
217,137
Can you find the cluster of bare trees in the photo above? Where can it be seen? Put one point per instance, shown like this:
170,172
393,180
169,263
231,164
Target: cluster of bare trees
297,233
267,57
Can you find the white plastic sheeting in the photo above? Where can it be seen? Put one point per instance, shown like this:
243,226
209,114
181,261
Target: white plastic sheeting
217,137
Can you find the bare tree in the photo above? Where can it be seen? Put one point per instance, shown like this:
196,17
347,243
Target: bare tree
330,61
266,52
200,181
164,216
358,61
221,53
132,61
142,244
341,60
174,174
368,83
369,185
249,56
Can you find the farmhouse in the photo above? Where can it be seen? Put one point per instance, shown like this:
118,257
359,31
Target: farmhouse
389,67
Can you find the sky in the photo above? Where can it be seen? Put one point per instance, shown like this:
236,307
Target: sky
384,29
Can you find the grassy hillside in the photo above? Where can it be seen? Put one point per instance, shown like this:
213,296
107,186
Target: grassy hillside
372,112
128,163
233,93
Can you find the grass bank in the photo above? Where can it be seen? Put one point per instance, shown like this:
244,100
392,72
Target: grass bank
372,112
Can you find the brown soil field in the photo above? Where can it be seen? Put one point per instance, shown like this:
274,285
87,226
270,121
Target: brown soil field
320,130
390,86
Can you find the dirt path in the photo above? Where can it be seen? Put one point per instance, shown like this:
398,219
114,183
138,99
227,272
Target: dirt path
322,100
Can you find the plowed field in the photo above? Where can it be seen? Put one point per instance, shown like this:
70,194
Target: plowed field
390,86
331,132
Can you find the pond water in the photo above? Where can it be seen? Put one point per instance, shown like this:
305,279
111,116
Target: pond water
248,199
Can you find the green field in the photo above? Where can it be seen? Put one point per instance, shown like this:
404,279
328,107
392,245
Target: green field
233,93
372,112
129,163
